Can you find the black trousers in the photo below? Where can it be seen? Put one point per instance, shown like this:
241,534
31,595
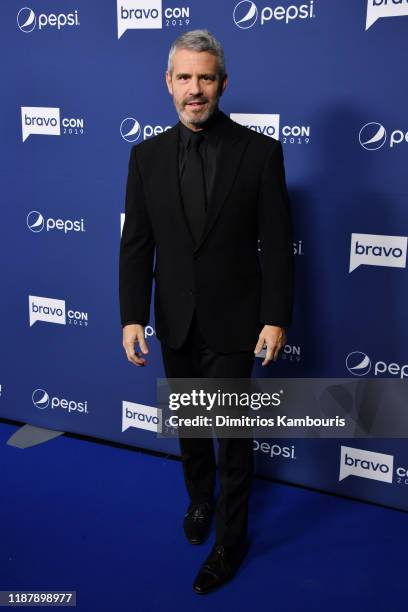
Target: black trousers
194,359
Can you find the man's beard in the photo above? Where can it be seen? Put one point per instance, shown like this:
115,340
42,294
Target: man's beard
202,118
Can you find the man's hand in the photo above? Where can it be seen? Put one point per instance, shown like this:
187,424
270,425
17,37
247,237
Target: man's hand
274,337
131,334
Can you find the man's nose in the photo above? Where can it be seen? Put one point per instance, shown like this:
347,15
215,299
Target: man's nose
195,86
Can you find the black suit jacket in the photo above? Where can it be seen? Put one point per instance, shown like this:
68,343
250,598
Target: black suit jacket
233,288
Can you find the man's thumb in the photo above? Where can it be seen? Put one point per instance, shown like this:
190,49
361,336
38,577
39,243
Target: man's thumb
259,345
142,344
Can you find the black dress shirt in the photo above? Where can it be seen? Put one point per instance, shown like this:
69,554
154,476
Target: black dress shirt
209,149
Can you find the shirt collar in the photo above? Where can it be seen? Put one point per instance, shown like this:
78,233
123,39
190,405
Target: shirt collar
209,131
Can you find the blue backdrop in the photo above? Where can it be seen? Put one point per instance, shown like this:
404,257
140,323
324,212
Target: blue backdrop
82,82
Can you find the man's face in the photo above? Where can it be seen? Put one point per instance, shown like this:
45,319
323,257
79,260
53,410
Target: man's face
195,85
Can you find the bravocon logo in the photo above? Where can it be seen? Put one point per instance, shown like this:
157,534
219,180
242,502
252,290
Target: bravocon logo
27,20
289,352
37,223
51,310
373,136
385,8
42,400
246,13
377,250
366,464
269,125
148,14
140,416
46,122
360,364
131,130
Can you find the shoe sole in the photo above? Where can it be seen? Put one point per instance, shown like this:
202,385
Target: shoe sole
216,588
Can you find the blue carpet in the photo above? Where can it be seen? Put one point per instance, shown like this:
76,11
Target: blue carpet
106,522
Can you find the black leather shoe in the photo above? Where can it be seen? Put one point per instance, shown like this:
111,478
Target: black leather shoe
197,522
220,566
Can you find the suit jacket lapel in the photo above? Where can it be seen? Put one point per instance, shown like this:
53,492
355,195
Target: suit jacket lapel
232,146
167,167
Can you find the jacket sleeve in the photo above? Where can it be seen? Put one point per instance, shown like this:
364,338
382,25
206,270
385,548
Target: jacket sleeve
276,241
136,251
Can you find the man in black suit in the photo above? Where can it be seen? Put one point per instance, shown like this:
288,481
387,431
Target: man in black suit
198,199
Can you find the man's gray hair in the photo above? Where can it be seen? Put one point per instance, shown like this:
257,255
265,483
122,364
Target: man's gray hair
198,40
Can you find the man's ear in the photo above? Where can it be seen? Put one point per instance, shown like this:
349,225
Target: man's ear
223,84
169,83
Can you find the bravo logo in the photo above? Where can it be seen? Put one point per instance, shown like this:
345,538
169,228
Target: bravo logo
366,464
27,20
42,400
138,14
246,13
140,416
264,124
51,310
373,136
131,130
385,8
46,122
37,223
377,250
360,364
269,125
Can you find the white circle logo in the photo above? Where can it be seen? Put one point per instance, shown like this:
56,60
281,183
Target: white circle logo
40,398
35,221
358,363
26,19
130,129
245,14
372,136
